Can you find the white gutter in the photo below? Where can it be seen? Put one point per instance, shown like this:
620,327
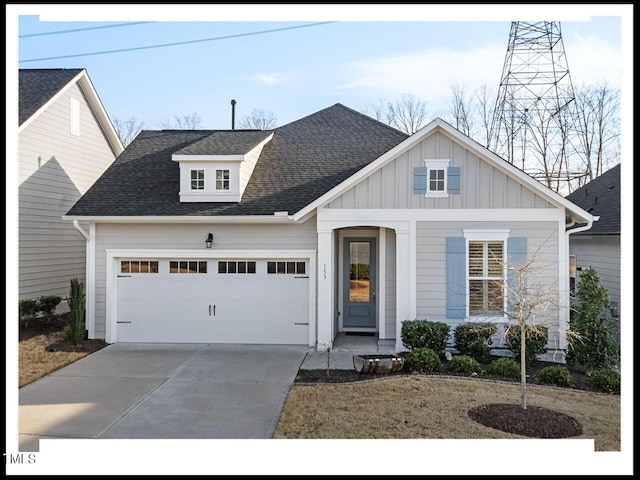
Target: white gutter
582,229
81,230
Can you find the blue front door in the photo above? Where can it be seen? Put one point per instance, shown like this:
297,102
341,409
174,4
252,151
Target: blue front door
359,283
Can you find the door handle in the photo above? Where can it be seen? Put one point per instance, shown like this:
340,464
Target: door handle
214,310
209,310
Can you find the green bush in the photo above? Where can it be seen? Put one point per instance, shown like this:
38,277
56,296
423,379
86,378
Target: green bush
424,334
28,309
535,341
474,339
48,303
592,343
607,380
464,364
76,311
557,375
505,367
423,360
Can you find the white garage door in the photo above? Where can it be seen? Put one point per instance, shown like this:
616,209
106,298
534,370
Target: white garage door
213,301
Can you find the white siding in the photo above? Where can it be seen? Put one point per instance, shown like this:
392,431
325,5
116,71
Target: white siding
482,185
603,254
390,286
542,239
55,168
189,236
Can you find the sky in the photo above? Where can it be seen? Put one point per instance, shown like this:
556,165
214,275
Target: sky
298,61
294,61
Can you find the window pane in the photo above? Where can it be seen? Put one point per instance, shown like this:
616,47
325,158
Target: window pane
231,267
281,267
144,267
135,267
494,259
222,267
183,267
173,267
242,267
359,277
202,267
192,267
271,267
291,267
251,267
124,266
485,297
300,268
476,263
153,267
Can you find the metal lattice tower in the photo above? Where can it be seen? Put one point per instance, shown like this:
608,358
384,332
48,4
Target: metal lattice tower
535,118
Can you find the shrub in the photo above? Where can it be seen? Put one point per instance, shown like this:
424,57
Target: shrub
535,341
607,380
474,339
557,375
76,314
464,364
424,334
505,367
423,360
48,303
592,343
28,309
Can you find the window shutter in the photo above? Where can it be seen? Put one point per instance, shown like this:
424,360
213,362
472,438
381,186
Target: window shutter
420,180
456,289
516,257
453,180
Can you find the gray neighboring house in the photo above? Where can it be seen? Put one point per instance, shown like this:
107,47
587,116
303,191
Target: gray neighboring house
599,247
334,223
65,142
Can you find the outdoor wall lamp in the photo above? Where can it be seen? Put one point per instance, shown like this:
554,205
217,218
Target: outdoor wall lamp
209,240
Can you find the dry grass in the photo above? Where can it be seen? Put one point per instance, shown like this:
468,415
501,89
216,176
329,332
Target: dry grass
35,362
430,407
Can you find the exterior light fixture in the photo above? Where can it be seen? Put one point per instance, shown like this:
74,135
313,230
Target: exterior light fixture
209,240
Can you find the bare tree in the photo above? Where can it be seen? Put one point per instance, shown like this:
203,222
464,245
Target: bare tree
259,120
460,110
483,106
127,130
191,121
381,111
408,113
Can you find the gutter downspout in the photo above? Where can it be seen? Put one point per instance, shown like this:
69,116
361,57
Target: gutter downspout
82,231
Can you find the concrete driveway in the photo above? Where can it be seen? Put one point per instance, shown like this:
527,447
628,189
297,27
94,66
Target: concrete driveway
162,391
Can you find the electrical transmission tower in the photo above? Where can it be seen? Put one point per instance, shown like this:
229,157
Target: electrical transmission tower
535,119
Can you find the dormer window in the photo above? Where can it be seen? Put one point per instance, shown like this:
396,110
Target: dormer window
197,179
222,179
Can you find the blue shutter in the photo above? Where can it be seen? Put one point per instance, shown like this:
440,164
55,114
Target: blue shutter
516,257
420,180
453,180
456,277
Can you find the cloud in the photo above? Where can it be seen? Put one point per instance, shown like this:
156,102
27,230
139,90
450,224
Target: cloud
592,60
271,79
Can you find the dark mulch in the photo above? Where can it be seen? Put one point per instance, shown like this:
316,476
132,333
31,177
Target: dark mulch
536,422
55,324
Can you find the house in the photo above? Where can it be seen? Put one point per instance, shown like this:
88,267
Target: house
65,142
332,223
599,247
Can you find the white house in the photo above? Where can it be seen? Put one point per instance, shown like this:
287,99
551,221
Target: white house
65,142
332,223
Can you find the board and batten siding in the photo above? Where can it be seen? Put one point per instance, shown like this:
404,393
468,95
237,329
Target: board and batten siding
192,237
482,185
390,286
55,168
431,282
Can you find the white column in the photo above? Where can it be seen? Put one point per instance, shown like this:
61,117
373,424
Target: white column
403,282
382,283
325,290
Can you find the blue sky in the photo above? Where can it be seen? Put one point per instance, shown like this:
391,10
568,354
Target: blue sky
356,58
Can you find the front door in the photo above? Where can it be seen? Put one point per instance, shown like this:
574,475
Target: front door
359,281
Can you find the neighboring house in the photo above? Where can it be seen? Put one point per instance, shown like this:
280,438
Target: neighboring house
599,247
65,142
332,223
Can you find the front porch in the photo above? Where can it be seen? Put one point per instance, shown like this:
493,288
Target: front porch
345,346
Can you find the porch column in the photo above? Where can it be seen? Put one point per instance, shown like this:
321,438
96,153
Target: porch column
403,282
325,290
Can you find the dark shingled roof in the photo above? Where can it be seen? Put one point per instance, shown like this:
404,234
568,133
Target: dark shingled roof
601,197
303,160
37,86
230,142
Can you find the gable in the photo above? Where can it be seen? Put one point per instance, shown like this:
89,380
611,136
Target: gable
481,184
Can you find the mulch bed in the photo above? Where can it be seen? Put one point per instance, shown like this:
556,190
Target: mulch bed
55,324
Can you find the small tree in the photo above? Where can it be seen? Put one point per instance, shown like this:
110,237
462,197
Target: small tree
76,315
593,344
259,120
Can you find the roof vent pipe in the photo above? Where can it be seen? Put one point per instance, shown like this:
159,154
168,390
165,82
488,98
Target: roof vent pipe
233,114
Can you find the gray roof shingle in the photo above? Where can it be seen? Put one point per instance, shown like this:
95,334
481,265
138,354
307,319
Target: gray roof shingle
303,160
601,197
36,87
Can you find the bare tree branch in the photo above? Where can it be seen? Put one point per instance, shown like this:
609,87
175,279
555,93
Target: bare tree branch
259,120
190,121
127,130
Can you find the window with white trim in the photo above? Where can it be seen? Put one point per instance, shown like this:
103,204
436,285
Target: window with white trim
197,179
222,179
573,274
74,116
187,266
436,178
236,267
486,277
139,266
288,267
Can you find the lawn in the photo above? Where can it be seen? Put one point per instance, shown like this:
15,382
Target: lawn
433,407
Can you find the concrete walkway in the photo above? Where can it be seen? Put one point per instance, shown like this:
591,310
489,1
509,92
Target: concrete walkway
162,391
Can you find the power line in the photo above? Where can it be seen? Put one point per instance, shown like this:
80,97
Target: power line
59,32
177,43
